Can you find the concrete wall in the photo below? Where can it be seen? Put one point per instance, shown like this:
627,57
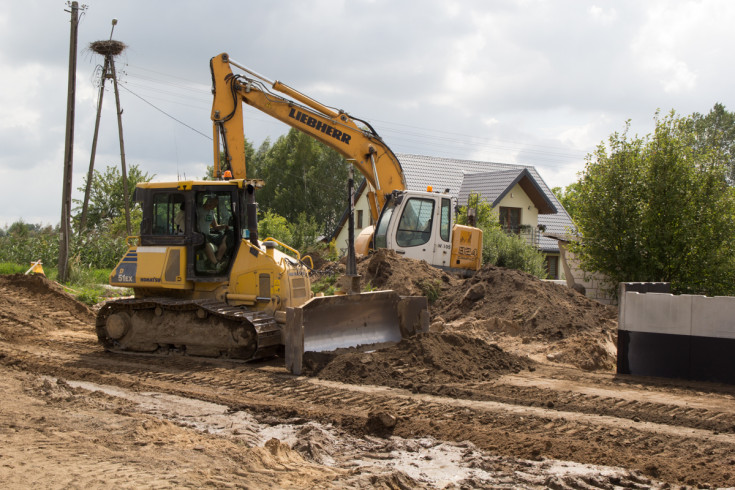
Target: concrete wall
597,286
684,336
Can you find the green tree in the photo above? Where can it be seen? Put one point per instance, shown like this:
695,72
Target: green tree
272,225
484,216
568,197
106,208
301,175
249,155
716,130
658,208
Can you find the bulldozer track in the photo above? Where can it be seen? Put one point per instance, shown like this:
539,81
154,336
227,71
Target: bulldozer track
211,317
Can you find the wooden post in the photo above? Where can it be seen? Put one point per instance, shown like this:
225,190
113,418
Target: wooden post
90,174
65,225
122,147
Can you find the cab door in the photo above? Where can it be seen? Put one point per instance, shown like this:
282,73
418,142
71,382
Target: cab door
415,228
443,234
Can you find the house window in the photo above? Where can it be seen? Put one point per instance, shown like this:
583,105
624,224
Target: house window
359,218
552,266
510,219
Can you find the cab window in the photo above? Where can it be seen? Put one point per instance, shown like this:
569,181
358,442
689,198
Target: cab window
446,219
381,231
168,213
414,228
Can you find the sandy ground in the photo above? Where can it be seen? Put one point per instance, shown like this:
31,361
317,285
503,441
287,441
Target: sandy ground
468,405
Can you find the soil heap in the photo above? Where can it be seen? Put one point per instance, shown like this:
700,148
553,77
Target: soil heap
21,317
517,309
430,357
519,312
385,269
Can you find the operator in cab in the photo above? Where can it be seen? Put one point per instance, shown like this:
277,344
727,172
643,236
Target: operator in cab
206,224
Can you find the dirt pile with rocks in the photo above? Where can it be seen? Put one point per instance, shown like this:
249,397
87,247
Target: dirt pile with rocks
436,357
385,269
520,313
551,320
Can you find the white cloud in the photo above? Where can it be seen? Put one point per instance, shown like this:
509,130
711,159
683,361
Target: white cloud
681,42
535,82
605,16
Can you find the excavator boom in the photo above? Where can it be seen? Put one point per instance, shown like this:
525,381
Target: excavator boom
337,129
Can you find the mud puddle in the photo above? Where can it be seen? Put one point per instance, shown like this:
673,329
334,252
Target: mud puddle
424,461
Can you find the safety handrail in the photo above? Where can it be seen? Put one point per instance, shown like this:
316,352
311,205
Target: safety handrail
271,239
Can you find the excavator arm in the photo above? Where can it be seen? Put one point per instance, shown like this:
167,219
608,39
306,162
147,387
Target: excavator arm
360,145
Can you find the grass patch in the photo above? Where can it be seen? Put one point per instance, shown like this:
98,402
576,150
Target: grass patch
431,289
7,268
89,286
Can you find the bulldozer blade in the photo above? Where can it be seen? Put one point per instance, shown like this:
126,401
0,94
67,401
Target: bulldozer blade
328,323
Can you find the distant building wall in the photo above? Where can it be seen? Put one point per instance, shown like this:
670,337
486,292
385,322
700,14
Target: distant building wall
596,285
361,206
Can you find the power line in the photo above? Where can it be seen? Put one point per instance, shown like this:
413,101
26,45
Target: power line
411,136
166,113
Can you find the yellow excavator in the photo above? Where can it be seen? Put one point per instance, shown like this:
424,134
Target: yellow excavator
205,284
415,224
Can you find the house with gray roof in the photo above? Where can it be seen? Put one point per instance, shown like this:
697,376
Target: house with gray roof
525,204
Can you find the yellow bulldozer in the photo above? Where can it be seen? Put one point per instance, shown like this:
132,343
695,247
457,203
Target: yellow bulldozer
205,283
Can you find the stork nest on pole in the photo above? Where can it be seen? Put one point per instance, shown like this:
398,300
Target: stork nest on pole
108,48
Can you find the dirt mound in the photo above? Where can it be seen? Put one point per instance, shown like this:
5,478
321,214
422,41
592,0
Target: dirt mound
33,305
385,269
497,302
519,312
43,289
431,357
521,304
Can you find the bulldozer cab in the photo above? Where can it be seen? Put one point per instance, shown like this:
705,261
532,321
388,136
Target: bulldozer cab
203,221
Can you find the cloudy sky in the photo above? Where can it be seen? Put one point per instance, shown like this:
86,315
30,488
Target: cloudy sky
529,81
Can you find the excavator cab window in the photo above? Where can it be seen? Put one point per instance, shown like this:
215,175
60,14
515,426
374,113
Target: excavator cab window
215,220
167,213
446,219
381,231
414,228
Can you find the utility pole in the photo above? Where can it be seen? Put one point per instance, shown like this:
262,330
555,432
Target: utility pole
90,174
69,148
122,148
109,49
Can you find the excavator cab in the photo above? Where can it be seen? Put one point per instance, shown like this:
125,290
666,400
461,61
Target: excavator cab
420,225
177,217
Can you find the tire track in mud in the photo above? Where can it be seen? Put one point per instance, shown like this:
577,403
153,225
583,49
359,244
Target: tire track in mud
654,428
525,427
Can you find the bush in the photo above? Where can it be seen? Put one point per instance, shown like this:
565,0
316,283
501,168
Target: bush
498,247
272,225
24,243
511,251
304,233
